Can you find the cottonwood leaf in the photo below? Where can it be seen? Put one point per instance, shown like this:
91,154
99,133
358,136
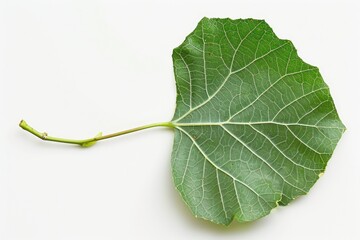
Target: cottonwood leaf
254,124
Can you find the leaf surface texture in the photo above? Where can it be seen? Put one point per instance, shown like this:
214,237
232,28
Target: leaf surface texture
254,124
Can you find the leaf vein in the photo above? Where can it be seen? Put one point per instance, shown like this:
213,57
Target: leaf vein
222,170
259,157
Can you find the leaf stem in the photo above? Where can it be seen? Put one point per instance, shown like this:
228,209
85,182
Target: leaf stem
89,141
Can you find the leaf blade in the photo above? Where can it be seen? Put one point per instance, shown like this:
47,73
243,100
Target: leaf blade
247,111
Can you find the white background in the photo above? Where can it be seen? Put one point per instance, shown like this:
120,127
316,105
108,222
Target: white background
74,68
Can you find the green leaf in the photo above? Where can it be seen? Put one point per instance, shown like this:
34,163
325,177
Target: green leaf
254,124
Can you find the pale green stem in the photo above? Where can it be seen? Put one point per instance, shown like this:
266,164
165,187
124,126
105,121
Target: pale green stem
90,141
